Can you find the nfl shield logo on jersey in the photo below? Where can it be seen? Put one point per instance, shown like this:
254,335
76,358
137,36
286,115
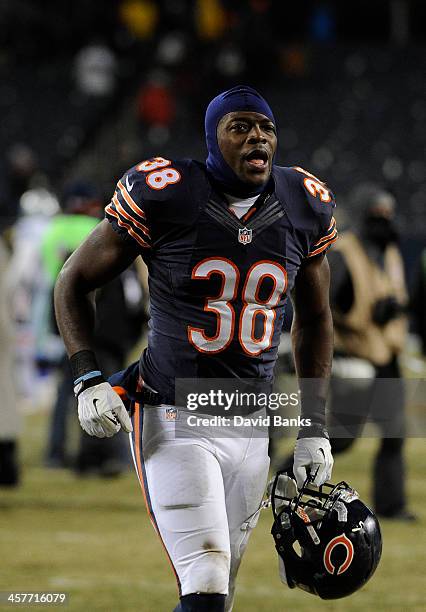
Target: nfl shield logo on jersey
245,235
171,414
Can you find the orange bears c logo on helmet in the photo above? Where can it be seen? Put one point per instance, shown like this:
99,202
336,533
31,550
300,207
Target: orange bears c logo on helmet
340,540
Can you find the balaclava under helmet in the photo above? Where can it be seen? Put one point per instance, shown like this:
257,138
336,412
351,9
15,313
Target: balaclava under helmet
240,98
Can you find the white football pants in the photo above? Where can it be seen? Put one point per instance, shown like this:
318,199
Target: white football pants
202,492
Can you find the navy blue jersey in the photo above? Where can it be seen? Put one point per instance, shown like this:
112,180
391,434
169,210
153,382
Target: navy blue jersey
218,284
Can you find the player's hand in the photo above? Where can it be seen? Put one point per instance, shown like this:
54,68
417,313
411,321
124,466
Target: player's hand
312,456
101,412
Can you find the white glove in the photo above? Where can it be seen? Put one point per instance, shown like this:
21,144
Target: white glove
101,412
315,454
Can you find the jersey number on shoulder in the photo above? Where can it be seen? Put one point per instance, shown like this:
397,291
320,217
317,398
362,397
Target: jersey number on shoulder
314,186
156,178
253,306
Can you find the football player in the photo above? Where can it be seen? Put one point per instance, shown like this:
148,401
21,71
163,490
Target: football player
225,242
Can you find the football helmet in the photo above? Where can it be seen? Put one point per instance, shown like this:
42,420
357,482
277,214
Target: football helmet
328,541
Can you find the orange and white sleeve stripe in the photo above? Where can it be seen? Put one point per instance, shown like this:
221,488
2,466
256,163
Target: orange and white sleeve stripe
127,216
325,241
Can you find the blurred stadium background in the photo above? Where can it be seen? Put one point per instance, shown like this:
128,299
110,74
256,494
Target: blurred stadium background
90,88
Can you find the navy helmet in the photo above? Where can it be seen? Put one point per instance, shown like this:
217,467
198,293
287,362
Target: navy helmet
328,541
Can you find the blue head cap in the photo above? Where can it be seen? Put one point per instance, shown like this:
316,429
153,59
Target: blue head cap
240,98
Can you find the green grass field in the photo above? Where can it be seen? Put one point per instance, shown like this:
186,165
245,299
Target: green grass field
92,539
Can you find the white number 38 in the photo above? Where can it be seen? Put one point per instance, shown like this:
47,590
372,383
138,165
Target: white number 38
156,178
253,306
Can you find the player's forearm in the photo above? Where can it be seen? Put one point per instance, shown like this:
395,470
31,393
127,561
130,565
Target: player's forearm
75,312
99,259
313,352
313,345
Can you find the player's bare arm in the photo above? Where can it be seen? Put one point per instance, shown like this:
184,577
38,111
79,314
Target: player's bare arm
312,337
312,329
99,259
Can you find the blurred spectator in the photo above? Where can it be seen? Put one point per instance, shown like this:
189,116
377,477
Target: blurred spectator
419,301
81,212
9,417
323,23
139,17
156,107
369,300
293,60
21,165
230,63
95,69
25,280
210,19
172,49
120,315
156,104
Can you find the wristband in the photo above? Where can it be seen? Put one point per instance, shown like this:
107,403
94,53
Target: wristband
88,376
313,408
88,380
85,371
82,363
314,430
